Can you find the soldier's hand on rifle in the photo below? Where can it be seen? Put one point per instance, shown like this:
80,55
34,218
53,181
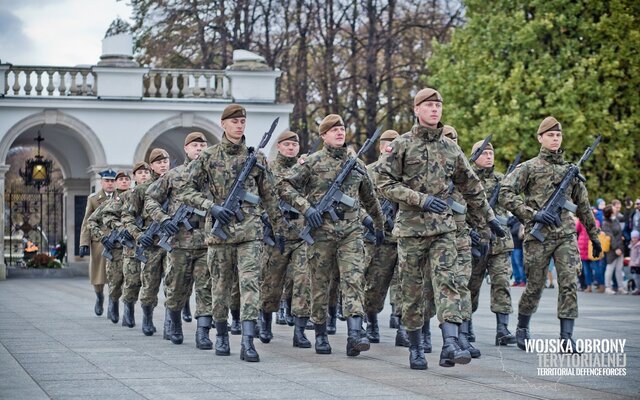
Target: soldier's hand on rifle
379,237
146,241
280,243
170,227
597,247
84,251
127,236
106,243
313,217
496,228
221,214
434,204
545,218
475,238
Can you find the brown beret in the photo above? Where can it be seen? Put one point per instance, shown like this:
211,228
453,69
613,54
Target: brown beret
427,94
549,124
287,135
450,132
140,165
195,137
389,135
478,144
122,174
157,154
233,111
329,122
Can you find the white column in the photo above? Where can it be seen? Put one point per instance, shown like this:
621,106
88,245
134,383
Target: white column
72,188
3,267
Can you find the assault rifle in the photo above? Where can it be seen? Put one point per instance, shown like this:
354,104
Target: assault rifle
334,195
558,199
493,200
268,238
389,212
237,194
181,216
152,231
116,236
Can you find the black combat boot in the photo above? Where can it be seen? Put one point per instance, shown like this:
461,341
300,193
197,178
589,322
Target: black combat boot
503,336
128,316
373,332
147,320
566,332
222,339
463,341
247,350
310,325
416,350
322,340
356,341
394,320
265,329
402,338
299,338
288,317
202,333
451,353
426,336
280,320
331,320
339,313
186,312
236,328
472,335
522,331
166,327
98,308
176,327
112,312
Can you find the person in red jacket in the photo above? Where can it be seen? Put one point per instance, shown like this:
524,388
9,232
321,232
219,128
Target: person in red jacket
588,266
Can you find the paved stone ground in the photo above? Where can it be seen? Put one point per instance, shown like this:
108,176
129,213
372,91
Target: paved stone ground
52,346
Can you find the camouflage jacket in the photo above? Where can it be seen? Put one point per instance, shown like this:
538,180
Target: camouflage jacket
280,167
420,163
490,179
536,179
133,208
166,187
97,221
213,174
308,182
112,215
371,169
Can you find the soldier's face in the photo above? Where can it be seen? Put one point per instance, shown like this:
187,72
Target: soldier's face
383,146
429,113
108,185
335,136
194,149
551,140
486,159
123,183
160,167
141,176
288,148
234,128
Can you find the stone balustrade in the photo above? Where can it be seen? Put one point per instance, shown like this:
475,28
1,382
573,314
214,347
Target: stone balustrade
186,83
27,80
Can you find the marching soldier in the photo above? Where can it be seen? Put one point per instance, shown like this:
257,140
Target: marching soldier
537,179
188,260
338,245
416,172
97,264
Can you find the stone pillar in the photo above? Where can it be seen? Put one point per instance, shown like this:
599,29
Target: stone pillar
252,80
119,76
72,188
3,267
3,78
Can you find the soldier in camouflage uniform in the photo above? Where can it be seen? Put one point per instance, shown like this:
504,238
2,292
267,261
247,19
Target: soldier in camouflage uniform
152,270
338,245
210,179
289,254
416,172
99,230
188,259
536,179
112,219
498,262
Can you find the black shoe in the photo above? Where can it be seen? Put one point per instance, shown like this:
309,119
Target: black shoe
356,341
310,325
280,320
128,315
373,332
299,338
567,344
471,336
416,350
98,308
451,353
222,339
112,312
288,317
236,328
464,342
166,327
503,336
339,313
147,320
202,333
394,320
402,338
265,327
176,327
522,331
331,320
186,312
426,336
247,350
322,340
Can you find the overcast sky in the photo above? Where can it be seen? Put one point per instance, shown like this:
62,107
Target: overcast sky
56,32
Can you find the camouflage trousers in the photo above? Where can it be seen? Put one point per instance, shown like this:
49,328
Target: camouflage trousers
334,289
234,302
115,276
228,262
499,268
395,291
131,270
184,267
329,256
536,264
151,275
380,264
275,270
287,287
425,262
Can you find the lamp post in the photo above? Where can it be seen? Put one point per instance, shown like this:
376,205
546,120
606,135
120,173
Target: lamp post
37,171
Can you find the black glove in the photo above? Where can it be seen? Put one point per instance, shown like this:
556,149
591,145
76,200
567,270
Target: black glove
475,238
545,218
313,217
126,235
434,204
146,241
106,243
368,223
221,214
280,243
496,228
170,227
597,247
84,251
379,237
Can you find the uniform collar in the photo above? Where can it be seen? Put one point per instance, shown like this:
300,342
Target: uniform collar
339,153
232,148
286,161
430,134
483,172
552,158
